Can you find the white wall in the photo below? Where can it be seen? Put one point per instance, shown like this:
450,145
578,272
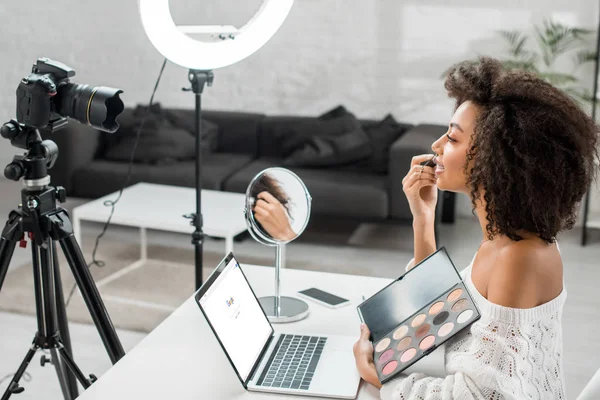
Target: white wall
374,57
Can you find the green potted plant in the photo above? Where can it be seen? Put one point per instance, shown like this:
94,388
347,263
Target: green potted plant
554,43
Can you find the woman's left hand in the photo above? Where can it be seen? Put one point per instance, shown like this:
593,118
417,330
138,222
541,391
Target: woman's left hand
363,355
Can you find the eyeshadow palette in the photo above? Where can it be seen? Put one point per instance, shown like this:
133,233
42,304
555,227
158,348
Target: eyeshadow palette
416,313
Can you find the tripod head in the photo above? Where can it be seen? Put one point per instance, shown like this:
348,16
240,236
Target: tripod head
40,156
38,198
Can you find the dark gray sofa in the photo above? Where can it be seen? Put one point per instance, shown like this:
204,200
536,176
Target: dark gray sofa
248,143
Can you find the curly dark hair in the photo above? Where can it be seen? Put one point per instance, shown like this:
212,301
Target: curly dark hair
266,183
532,151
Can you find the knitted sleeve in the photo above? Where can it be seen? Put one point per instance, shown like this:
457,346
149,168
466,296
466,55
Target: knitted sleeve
421,387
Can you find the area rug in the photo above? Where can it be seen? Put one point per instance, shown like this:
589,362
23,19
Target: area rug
138,300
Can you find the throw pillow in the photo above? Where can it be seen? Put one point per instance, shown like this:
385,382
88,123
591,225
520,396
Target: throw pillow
335,112
330,142
160,142
295,136
382,136
186,119
331,151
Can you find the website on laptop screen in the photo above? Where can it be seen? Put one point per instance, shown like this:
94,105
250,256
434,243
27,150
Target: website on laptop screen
237,318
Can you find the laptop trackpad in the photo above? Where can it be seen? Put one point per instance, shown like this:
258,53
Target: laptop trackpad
336,372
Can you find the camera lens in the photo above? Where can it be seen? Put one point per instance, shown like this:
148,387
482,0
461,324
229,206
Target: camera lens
97,106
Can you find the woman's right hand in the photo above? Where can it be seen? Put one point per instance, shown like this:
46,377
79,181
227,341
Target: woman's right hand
271,214
421,187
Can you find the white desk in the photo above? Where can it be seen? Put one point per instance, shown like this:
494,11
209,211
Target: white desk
181,359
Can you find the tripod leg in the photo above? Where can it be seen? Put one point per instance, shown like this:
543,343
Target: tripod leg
38,290
13,386
8,241
63,325
63,232
60,372
51,336
92,298
7,249
66,358
45,292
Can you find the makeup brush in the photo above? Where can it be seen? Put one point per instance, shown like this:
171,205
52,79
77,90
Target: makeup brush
430,162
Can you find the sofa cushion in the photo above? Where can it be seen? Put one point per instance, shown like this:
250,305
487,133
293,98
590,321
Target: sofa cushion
333,142
238,131
335,112
281,135
334,192
165,137
381,135
210,131
101,177
319,152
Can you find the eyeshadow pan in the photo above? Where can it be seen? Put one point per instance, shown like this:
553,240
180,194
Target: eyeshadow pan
441,317
422,331
408,355
381,346
386,356
446,329
436,308
464,316
460,305
418,320
404,343
400,332
427,342
455,294
390,367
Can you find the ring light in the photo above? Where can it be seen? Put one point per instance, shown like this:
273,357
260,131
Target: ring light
233,45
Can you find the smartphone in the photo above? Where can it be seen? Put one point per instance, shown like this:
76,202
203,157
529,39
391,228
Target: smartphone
323,298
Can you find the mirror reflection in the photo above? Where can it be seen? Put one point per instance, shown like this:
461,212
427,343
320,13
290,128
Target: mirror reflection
280,205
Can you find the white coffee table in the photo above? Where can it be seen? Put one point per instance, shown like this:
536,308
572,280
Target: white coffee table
161,207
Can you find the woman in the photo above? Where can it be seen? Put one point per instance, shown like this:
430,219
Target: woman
524,152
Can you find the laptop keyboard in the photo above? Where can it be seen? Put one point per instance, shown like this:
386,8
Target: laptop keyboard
293,362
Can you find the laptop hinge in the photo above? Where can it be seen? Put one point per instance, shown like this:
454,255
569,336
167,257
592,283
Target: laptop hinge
259,359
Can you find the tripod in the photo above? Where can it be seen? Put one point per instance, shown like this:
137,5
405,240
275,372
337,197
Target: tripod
45,224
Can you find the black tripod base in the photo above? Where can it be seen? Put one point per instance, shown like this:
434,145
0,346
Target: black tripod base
55,344
45,224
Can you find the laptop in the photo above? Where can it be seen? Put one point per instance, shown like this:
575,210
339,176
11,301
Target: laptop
265,361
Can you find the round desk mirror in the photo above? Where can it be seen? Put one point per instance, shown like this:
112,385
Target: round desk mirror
277,212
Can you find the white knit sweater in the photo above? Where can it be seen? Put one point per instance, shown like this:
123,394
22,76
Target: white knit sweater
508,353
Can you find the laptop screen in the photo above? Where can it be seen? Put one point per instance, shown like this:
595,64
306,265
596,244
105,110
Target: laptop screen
235,315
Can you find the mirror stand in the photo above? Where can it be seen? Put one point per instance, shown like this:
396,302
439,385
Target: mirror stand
279,308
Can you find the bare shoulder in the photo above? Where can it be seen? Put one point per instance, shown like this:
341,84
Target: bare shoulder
525,276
